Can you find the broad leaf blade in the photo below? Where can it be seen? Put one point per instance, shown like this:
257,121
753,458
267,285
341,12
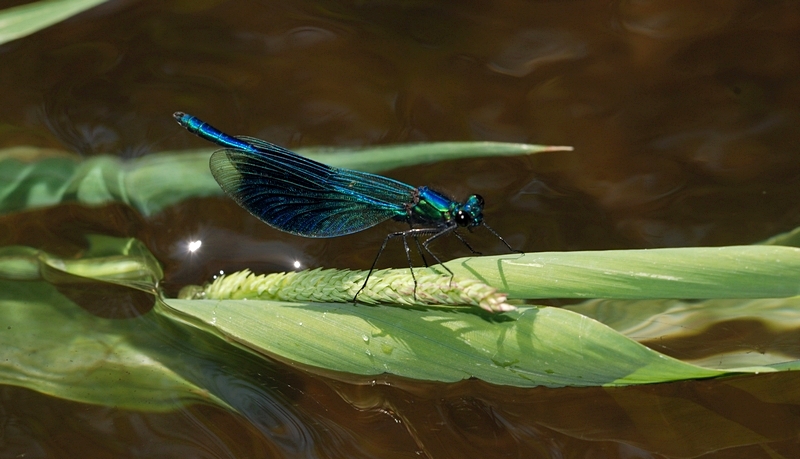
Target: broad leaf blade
54,346
531,346
701,272
771,324
528,347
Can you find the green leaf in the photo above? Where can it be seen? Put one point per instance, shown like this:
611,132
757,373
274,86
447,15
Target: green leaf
757,271
53,345
790,238
531,346
124,262
23,20
31,178
382,158
664,321
528,347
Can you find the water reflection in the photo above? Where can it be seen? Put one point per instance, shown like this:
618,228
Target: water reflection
473,419
531,49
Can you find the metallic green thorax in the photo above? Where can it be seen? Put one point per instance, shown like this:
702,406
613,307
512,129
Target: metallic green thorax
431,207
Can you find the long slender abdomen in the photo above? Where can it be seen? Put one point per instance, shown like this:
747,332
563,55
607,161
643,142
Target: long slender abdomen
206,131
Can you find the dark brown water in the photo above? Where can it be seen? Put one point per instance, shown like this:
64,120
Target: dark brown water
685,117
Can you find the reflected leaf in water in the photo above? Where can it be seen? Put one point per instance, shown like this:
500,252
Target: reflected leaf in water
672,20
681,419
54,346
533,48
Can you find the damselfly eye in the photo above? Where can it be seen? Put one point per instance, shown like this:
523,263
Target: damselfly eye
463,218
479,198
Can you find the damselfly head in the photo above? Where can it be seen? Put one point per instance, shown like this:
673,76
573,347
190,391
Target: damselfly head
471,213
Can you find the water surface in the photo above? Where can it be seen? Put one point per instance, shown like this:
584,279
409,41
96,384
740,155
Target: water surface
684,117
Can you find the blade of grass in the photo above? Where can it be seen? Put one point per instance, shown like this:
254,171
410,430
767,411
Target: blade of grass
23,20
528,347
31,178
757,271
699,332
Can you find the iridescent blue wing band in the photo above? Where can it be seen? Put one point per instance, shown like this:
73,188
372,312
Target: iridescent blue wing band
304,197
296,194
